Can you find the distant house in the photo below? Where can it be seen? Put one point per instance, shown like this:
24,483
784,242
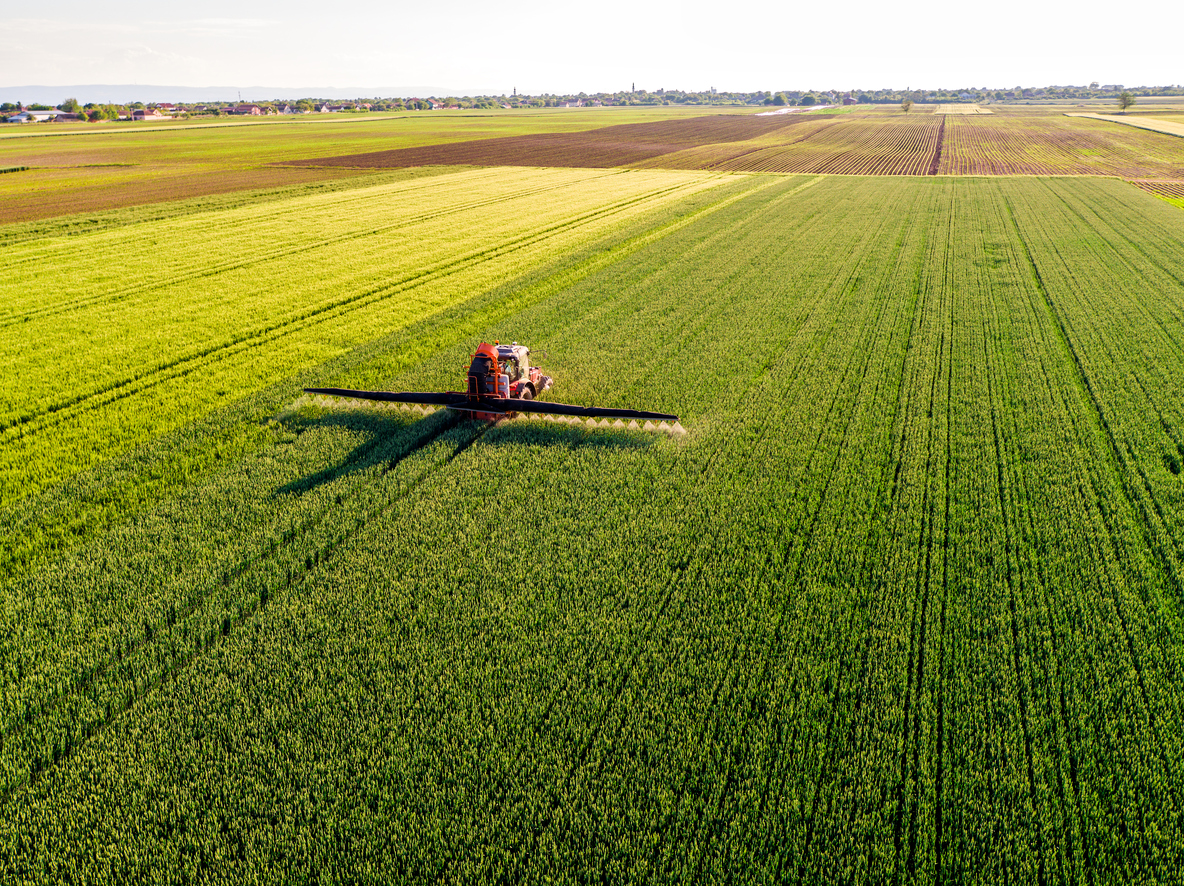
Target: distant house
848,100
965,96
66,118
146,113
339,108
33,116
575,104
246,110
165,106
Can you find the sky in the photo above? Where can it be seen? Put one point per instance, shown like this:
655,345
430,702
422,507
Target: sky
548,47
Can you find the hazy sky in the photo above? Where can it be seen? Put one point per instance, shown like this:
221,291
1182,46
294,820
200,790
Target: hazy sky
603,46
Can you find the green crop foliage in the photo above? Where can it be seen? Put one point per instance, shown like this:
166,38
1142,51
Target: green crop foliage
901,606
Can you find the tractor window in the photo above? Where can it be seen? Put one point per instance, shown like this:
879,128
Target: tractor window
510,368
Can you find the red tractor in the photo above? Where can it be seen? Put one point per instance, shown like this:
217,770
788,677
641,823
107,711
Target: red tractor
504,371
501,383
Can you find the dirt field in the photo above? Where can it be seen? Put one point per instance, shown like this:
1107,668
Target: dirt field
69,170
621,145
1171,189
49,192
873,142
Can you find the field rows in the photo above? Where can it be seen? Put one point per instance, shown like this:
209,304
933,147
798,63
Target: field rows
874,147
1057,146
877,142
902,606
1172,189
608,146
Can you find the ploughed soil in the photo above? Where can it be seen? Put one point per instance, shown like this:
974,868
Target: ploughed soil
611,146
50,192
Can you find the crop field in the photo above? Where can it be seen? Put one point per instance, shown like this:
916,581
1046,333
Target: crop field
620,145
113,165
818,143
1052,145
1172,191
128,347
879,142
104,169
946,144
903,605
850,146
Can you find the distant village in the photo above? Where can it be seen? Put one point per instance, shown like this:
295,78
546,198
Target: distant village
71,110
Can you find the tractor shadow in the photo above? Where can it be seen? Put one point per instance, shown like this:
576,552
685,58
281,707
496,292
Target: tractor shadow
390,438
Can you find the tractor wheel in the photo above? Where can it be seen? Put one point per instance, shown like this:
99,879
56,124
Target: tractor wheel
526,394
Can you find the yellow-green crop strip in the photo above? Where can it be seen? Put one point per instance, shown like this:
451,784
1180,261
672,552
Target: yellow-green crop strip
168,320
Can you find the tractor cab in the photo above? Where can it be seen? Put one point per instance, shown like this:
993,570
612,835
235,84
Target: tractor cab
504,371
514,360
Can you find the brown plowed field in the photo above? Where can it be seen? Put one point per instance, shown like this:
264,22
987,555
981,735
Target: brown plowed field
47,193
877,142
624,145
1015,145
852,146
1161,188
